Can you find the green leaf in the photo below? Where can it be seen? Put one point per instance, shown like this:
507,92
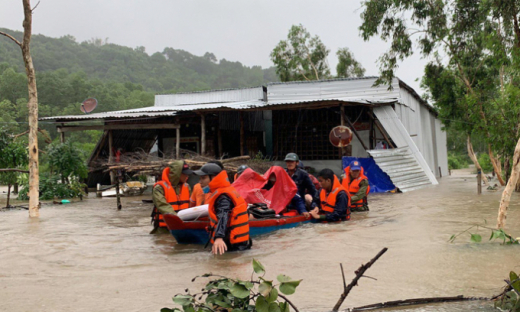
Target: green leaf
515,282
284,306
265,288
258,267
168,310
238,310
274,307
188,308
497,234
239,291
282,278
222,304
261,304
476,238
289,288
451,238
182,299
272,296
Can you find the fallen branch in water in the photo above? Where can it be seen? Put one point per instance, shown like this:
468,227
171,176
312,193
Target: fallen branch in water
359,273
416,301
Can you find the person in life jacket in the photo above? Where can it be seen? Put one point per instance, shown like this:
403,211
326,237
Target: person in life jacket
356,183
198,197
171,193
306,188
240,170
334,199
229,220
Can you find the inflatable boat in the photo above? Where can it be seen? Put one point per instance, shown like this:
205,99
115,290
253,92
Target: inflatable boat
194,232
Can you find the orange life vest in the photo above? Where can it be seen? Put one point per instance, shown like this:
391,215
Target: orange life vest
328,201
353,187
198,197
178,202
238,226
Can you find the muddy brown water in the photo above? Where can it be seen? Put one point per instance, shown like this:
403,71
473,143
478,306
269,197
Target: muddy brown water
89,257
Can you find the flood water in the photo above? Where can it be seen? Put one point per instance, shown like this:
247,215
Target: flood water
89,257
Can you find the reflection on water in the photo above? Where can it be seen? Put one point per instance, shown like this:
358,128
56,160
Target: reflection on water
90,257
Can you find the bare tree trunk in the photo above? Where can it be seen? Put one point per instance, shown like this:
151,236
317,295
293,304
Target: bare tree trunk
511,184
473,157
32,105
507,167
496,166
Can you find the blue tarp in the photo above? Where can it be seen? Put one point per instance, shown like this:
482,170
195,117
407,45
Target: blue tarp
379,181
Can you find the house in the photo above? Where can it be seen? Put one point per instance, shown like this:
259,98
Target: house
284,117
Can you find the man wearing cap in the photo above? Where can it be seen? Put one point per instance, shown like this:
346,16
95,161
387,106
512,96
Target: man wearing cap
356,183
172,193
229,221
198,195
240,170
306,188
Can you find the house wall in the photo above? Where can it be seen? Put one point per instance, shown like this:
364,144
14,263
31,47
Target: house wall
425,130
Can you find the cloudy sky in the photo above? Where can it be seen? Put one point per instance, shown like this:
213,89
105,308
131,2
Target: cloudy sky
237,30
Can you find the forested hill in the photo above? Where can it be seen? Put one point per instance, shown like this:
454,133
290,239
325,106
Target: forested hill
173,70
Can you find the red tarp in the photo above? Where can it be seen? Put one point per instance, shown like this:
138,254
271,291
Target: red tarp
249,186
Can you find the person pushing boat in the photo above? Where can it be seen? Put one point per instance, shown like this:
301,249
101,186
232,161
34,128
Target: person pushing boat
229,220
356,183
171,193
334,199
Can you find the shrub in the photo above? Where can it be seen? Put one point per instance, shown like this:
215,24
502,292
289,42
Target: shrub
52,188
485,162
457,161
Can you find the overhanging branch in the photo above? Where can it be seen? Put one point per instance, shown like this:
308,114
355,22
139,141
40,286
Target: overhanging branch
12,38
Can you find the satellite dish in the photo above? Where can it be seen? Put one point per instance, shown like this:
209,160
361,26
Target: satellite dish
88,105
340,136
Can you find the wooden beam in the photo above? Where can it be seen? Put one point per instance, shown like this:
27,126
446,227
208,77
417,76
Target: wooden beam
202,134
354,130
381,130
242,134
13,170
111,155
117,127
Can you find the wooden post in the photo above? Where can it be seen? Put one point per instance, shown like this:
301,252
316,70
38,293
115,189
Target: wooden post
202,134
99,193
479,182
178,141
117,194
219,138
62,136
342,121
440,172
242,134
372,134
111,156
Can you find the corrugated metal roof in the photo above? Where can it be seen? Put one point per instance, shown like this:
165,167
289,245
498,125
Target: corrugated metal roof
212,96
348,90
110,115
402,167
397,132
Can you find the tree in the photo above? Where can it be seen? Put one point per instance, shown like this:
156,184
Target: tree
481,41
301,57
347,65
32,104
13,159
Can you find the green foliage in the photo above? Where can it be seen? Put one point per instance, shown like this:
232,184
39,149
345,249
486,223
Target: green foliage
301,57
227,294
485,162
347,65
13,155
495,234
457,161
52,188
66,160
510,301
